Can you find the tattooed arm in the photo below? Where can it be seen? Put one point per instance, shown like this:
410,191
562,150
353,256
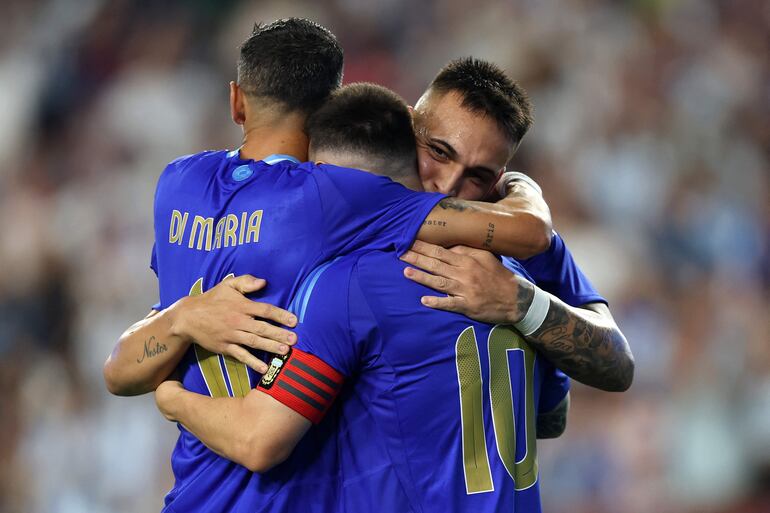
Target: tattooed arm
585,343
519,225
220,320
553,423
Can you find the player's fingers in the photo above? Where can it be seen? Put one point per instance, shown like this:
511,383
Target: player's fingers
267,330
434,251
246,358
245,283
272,313
466,252
440,283
253,341
450,303
430,264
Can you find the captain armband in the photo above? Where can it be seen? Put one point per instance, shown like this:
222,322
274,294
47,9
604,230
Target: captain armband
303,382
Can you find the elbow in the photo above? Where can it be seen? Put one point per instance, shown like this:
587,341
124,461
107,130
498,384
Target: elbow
627,376
260,458
624,376
542,241
111,380
114,382
256,464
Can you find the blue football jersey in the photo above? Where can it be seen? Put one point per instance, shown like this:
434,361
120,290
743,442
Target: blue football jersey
556,271
437,412
217,215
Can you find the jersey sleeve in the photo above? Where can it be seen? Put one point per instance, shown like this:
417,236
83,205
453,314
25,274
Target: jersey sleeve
365,211
327,351
556,271
154,267
554,388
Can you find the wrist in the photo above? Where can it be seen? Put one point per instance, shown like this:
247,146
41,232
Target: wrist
525,293
177,320
535,313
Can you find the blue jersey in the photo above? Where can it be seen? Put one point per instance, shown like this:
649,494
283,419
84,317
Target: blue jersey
218,215
437,412
555,271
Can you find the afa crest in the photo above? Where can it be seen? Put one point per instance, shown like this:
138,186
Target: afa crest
276,366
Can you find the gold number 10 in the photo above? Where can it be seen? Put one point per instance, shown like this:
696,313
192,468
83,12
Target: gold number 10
478,476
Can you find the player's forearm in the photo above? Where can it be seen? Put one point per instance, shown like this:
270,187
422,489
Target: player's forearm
506,227
586,345
217,422
145,355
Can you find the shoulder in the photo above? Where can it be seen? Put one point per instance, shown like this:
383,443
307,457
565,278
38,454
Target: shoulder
204,157
186,162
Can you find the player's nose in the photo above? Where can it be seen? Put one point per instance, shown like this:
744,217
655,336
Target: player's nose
449,181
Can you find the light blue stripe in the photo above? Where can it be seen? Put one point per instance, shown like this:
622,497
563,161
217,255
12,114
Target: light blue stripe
309,291
277,157
298,297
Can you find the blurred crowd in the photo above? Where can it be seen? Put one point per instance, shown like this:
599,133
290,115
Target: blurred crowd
651,141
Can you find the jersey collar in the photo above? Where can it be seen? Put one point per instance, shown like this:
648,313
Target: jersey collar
269,160
277,157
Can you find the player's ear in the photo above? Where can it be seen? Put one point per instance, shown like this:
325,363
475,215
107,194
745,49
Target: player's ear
237,104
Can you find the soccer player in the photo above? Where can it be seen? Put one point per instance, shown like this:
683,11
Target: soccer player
436,412
469,123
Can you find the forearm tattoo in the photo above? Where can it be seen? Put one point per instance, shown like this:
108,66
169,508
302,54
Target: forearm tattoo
456,204
490,236
152,348
597,356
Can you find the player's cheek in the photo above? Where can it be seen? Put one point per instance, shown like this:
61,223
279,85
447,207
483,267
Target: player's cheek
427,169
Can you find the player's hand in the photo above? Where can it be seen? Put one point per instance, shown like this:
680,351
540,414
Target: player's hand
475,281
166,396
223,320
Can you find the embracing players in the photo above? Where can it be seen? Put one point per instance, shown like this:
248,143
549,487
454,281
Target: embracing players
210,235
435,412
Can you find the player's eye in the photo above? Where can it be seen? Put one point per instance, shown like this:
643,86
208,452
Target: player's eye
438,153
478,179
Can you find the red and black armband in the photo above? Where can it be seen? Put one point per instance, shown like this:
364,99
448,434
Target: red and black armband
303,382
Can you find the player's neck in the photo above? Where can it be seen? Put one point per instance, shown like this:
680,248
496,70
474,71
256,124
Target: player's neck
285,137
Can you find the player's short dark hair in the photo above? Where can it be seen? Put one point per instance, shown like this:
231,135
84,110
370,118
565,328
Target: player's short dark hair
294,61
486,89
369,121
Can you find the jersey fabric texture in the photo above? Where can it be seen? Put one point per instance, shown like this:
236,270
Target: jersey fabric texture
437,411
556,271
216,215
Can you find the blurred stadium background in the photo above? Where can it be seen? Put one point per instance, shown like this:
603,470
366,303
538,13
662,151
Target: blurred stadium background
652,142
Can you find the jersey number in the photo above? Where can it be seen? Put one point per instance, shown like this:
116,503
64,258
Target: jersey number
211,368
478,476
